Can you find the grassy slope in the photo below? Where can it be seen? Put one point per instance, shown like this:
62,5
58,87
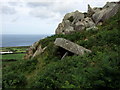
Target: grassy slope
100,69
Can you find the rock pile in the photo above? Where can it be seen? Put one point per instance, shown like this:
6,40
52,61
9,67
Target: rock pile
34,51
78,21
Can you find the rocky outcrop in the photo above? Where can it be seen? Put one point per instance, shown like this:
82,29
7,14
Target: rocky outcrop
109,10
38,51
34,51
31,50
77,21
90,11
70,46
69,21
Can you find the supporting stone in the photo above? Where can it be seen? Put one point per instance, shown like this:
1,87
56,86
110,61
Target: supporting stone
64,55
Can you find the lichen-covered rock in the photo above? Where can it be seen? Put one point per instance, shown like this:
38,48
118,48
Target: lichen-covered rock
73,16
92,28
110,4
38,51
31,50
29,53
70,46
79,26
74,21
88,22
85,23
90,11
109,10
68,30
77,21
60,28
68,23
34,51
64,27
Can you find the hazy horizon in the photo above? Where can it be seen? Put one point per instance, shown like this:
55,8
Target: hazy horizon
9,40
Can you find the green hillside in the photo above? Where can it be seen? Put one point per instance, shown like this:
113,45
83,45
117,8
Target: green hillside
100,69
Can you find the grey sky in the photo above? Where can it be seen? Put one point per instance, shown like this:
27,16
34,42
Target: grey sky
39,16
7,10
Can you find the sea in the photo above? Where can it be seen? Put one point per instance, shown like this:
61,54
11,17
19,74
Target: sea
9,40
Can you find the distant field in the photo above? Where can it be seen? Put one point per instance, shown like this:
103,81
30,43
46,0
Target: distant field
9,59
18,54
15,49
13,56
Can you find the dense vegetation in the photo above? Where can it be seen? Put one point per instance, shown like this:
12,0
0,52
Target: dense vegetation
100,69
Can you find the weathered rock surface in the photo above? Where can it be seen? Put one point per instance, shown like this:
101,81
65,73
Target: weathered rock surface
38,51
31,50
88,22
109,10
74,16
77,21
34,51
92,28
68,22
70,46
90,11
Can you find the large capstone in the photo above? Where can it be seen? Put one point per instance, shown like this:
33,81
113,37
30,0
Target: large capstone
70,46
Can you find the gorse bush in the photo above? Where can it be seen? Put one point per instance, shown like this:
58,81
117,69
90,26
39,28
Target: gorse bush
100,71
22,66
14,80
14,75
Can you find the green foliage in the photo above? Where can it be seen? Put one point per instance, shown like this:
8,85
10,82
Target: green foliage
21,66
14,80
98,70
14,75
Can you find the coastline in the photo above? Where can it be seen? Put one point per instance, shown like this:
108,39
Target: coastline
20,40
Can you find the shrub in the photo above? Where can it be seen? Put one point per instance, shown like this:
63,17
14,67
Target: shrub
13,80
